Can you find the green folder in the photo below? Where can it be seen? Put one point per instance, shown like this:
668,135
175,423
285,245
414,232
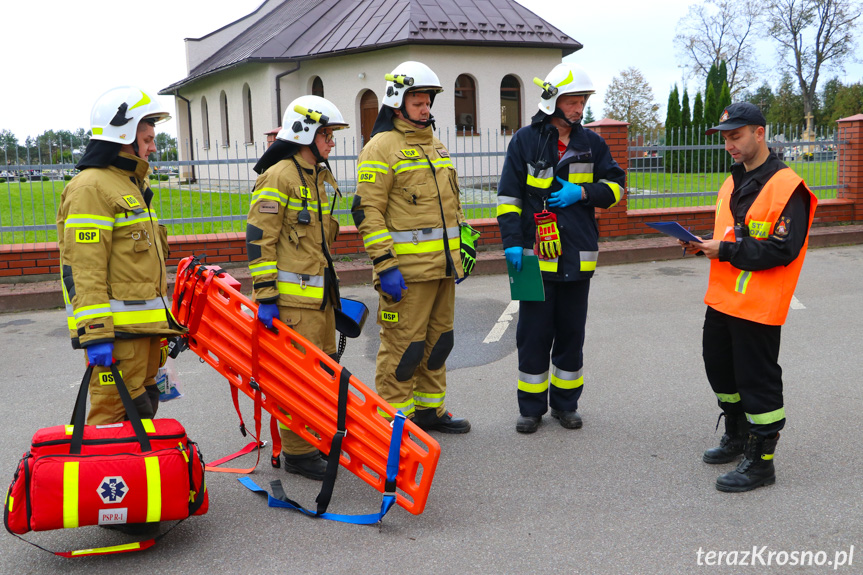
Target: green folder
526,285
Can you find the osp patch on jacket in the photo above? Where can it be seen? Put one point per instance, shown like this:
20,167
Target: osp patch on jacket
390,316
87,236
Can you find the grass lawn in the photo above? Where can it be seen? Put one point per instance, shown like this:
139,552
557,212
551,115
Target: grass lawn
35,203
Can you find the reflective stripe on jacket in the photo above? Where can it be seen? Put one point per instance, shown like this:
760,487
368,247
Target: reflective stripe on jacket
286,257
112,255
760,296
407,206
528,177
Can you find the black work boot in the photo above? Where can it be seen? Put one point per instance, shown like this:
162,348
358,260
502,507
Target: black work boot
310,465
755,470
732,442
527,423
568,419
429,420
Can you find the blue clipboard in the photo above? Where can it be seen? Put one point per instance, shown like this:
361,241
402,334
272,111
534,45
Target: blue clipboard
674,230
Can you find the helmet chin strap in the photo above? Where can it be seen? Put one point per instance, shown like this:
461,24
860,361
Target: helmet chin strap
423,123
558,113
314,148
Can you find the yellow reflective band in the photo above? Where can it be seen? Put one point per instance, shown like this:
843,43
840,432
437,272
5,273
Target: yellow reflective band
728,398
70,494
426,247
87,236
566,383
263,268
269,194
580,178
373,167
145,99
366,177
154,489
586,265
442,163
766,418
429,399
533,387
406,165
112,549
89,221
615,189
390,316
548,265
289,288
376,237
719,205
149,426
538,182
143,316
759,230
742,281
508,209
103,310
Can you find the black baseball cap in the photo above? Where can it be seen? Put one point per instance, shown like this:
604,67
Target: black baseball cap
738,115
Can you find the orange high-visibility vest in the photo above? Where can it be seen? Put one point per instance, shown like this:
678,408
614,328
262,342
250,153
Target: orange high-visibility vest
759,296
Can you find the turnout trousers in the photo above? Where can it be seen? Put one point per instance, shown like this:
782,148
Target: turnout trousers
553,329
319,327
138,362
416,338
741,362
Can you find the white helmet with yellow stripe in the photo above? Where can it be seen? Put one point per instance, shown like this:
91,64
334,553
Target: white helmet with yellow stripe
563,79
305,115
116,114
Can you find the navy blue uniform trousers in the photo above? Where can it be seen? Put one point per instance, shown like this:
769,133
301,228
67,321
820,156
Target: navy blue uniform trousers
554,329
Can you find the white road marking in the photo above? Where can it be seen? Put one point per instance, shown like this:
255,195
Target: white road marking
502,323
795,303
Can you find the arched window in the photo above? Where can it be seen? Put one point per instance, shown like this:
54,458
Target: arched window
205,122
465,104
317,87
510,104
248,129
368,114
223,116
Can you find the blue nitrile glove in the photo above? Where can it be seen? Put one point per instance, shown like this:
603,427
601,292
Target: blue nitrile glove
101,354
566,196
392,283
513,256
266,313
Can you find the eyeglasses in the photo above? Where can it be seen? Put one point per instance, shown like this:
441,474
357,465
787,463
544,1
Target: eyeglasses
328,136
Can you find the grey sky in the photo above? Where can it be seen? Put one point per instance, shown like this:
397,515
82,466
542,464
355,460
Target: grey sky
62,55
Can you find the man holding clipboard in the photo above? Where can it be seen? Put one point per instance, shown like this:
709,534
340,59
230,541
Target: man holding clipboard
763,214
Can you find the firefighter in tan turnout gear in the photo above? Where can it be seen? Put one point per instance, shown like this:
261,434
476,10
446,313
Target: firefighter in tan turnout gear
408,213
112,252
288,236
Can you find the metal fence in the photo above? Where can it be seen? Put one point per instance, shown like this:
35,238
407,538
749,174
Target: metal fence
684,167
211,191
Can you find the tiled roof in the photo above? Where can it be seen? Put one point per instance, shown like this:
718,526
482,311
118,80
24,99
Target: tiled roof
305,29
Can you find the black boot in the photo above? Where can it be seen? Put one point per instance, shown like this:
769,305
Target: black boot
527,423
310,465
732,442
568,419
755,470
429,420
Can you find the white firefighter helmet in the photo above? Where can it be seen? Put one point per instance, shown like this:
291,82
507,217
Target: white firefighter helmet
116,114
305,115
563,79
408,77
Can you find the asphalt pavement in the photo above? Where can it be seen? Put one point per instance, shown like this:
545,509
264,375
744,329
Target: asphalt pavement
626,494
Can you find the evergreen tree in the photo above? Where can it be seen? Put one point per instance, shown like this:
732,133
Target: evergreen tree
829,92
698,111
724,97
722,74
711,103
588,116
672,128
763,98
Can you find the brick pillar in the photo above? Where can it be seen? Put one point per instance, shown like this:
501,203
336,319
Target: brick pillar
850,164
613,222
271,136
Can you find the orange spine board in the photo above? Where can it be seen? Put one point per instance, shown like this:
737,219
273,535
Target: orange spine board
299,378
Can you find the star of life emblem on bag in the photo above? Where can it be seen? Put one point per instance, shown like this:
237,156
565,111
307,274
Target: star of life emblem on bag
112,490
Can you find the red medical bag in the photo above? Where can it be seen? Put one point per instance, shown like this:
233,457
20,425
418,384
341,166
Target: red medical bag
137,471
